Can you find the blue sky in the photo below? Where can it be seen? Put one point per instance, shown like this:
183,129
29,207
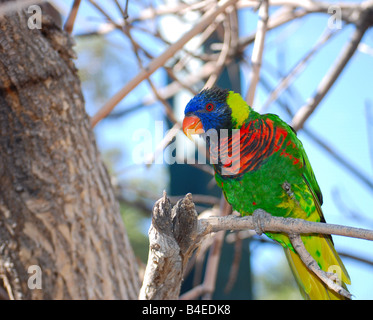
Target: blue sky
340,120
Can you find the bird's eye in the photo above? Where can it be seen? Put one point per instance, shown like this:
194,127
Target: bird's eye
210,107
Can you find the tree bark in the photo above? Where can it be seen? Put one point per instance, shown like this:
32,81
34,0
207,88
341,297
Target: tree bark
173,236
58,211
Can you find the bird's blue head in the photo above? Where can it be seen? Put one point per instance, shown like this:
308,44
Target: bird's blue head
208,110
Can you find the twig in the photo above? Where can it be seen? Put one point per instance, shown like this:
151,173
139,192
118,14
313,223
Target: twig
223,53
152,13
287,80
330,279
125,12
117,25
274,22
349,209
327,82
8,288
256,59
69,25
165,103
202,39
206,19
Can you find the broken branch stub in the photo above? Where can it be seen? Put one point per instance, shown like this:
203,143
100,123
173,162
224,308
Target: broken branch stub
172,239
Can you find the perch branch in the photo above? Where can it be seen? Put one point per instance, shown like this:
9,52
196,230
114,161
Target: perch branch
175,234
269,223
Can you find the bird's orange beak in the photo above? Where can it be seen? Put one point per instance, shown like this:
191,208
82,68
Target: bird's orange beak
192,125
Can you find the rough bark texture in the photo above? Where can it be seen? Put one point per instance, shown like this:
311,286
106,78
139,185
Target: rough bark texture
57,205
172,240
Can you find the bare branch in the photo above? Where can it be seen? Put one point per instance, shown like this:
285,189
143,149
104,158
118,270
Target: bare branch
330,279
69,25
289,78
158,62
221,61
256,59
269,223
327,82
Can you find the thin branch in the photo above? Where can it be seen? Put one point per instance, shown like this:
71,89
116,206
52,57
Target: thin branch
329,79
256,59
125,12
202,39
69,25
158,62
165,103
289,78
120,9
269,223
182,8
330,279
117,25
221,61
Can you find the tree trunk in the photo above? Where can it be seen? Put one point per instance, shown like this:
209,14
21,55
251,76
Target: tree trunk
61,234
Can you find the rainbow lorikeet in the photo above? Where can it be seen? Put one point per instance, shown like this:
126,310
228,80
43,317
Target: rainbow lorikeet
260,163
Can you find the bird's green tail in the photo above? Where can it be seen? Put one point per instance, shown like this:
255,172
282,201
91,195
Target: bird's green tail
322,250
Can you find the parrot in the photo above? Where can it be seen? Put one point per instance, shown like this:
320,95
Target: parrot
260,163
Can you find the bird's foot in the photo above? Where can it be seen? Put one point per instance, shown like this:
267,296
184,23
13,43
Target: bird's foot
259,216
